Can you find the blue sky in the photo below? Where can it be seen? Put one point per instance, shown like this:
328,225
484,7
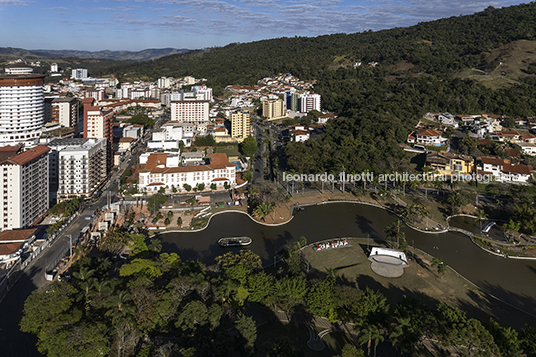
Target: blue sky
140,24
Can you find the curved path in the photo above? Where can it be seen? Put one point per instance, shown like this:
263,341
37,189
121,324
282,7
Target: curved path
513,281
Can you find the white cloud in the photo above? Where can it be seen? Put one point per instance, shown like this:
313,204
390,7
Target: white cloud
13,3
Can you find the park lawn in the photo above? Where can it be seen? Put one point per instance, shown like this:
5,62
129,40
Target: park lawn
229,149
419,281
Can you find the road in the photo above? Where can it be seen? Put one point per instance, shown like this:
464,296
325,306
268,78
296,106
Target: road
15,343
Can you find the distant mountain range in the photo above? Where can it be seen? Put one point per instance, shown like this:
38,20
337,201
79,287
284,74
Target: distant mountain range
145,55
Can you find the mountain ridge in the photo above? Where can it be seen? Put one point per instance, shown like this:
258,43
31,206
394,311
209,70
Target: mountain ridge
134,56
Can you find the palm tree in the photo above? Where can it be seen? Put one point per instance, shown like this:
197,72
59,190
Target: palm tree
155,246
263,209
369,334
480,215
84,273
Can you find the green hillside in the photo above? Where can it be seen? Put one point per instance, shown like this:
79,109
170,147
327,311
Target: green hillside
421,68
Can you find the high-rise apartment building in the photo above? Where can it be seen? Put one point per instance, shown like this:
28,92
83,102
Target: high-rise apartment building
24,175
79,73
190,110
202,92
98,123
240,125
309,101
62,111
21,108
274,108
77,167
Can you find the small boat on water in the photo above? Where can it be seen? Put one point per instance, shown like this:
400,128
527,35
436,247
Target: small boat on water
234,241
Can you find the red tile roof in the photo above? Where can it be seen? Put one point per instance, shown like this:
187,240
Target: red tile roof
493,160
16,235
9,248
517,169
29,155
428,132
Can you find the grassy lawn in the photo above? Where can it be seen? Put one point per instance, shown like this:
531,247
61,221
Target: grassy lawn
229,149
419,281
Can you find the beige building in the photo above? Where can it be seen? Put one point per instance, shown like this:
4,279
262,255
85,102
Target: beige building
240,125
63,111
274,109
190,110
25,186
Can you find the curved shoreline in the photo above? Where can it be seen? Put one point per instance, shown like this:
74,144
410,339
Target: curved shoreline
352,202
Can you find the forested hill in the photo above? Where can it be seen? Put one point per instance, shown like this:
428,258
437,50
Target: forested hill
445,45
419,71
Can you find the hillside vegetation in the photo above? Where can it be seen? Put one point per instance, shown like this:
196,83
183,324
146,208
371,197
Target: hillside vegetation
419,71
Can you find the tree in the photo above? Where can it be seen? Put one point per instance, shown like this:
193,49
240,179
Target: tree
393,232
246,326
369,334
187,187
179,221
194,314
438,263
213,187
263,209
114,241
155,202
457,200
480,215
249,147
201,187
351,351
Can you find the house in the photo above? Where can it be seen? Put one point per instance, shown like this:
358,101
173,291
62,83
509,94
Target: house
527,148
13,243
446,164
446,119
505,136
528,138
427,137
323,119
300,135
503,170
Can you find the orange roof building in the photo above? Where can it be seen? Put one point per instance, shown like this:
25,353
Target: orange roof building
219,173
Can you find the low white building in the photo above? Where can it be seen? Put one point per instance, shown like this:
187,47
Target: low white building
159,173
527,148
428,137
503,170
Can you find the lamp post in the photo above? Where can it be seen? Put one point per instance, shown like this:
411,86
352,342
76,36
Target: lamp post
70,245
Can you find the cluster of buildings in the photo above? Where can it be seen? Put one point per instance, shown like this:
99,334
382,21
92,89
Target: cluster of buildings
444,163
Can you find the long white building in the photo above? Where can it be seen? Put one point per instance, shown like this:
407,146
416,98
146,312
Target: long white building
21,108
160,172
24,198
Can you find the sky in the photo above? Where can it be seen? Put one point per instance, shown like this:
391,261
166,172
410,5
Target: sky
140,24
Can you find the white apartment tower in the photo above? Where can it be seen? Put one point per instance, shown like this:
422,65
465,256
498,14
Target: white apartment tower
24,198
79,73
77,167
309,101
21,108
